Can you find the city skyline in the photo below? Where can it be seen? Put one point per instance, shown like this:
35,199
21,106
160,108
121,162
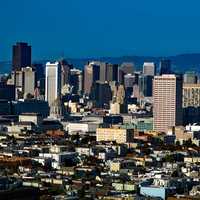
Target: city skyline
100,100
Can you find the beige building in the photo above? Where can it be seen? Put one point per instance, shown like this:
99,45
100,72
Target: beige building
30,117
149,68
91,74
73,107
192,159
191,95
120,95
114,108
167,94
182,135
28,81
114,134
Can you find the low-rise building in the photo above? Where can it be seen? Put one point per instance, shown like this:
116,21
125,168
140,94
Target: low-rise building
31,117
114,134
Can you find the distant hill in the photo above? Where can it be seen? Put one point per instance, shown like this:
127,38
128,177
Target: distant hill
180,63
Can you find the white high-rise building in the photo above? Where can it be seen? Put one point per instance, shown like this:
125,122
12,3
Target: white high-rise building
149,68
52,82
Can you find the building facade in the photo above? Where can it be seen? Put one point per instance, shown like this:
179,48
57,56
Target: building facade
21,56
91,74
191,95
52,82
28,81
114,134
167,95
101,94
76,81
145,85
149,68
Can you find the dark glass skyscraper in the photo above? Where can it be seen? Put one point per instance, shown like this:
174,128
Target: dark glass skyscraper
7,92
21,56
101,94
145,85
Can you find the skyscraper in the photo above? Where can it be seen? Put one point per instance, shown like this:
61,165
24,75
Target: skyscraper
28,81
108,72
103,70
149,68
21,56
165,67
65,69
111,72
101,94
167,94
145,85
91,74
76,81
52,82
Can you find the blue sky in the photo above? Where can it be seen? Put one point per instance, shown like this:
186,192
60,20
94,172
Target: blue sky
82,28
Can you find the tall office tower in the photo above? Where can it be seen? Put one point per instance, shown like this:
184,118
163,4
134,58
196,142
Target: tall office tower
21,56
165,67
76,80
65,69
52,82
145,85
167,94
28,81
111,72
101,94
91,74
149,68
103,72
190,78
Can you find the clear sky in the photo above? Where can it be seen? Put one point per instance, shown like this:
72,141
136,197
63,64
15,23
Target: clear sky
81,28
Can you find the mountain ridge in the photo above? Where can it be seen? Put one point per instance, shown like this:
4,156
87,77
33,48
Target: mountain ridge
180,62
